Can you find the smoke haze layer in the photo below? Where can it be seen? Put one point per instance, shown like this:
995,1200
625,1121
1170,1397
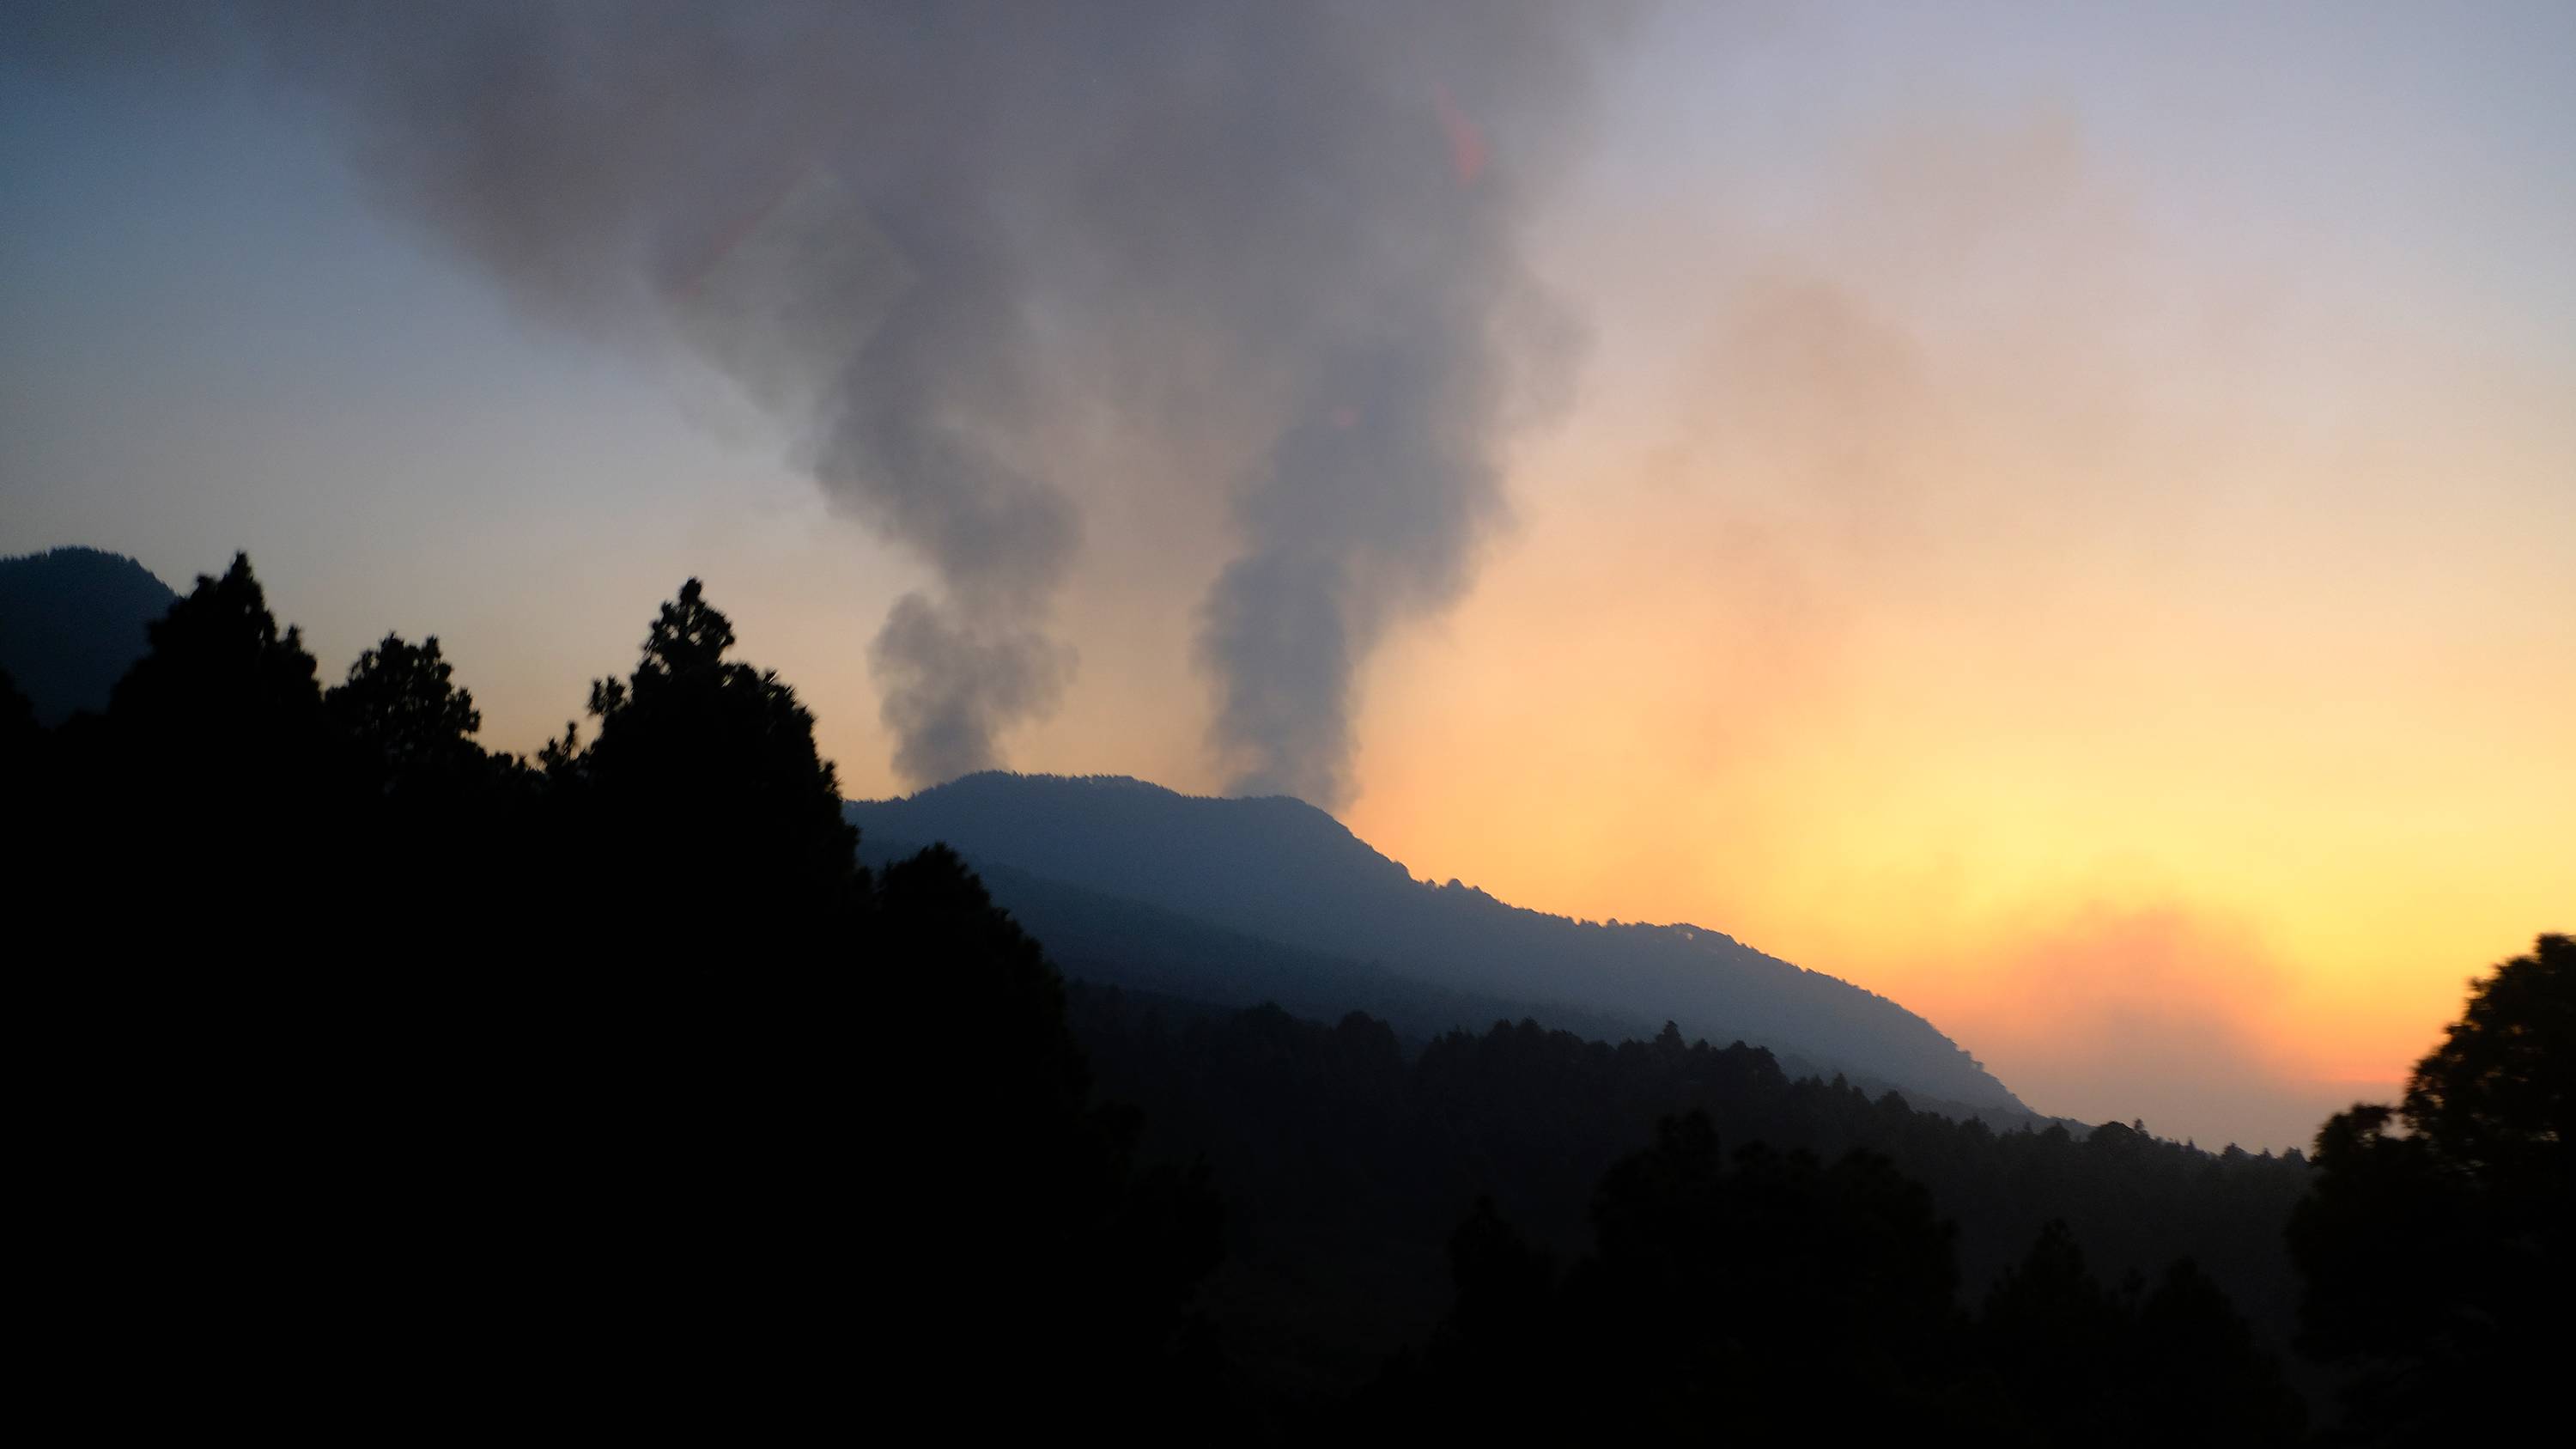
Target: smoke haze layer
927,239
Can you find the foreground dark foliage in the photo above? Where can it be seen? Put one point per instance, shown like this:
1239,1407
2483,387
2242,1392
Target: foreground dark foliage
395,1082
402,1083
1346,1164
1790,1299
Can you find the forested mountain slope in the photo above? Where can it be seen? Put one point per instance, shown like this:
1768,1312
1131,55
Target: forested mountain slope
1286,872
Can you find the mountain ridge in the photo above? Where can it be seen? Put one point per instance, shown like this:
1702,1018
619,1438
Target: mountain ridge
1277,868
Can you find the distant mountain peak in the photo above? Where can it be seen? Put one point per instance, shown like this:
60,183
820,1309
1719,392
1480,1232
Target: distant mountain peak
72,621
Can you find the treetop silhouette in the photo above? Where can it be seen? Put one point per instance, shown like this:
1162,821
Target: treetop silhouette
2439,1244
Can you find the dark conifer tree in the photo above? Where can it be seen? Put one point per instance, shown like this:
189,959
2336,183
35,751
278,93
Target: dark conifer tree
2439,1245
703,802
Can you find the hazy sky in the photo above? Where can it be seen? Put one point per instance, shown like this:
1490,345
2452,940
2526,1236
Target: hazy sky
2063,515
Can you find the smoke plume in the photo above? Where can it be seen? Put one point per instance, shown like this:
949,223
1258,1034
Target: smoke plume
923,237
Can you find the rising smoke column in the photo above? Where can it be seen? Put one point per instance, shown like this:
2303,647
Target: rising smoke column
879,219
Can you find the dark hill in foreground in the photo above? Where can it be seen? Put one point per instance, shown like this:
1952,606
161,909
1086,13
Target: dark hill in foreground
1282,871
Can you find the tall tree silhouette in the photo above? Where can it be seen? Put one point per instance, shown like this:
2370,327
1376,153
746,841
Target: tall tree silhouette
2440,1239
204,1060
211,780
703,792
220,669
1032,1246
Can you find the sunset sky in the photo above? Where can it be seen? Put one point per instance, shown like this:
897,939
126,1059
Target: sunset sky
2063,516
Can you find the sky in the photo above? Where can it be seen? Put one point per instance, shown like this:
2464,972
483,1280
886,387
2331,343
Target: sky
2064,516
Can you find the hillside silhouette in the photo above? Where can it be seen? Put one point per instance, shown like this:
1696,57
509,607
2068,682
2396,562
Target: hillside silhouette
71,624
1278,870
